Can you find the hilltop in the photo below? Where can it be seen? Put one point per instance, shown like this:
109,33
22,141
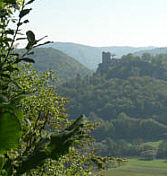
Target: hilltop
91,56
64,66
152,51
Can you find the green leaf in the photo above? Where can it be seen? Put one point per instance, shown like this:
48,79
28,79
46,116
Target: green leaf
28,60
2,162
3,99
8,167
17,99
9,31
30,36
10,1
24,12
5,75
26,21
10,131
29,2
29,45
10,68
6,105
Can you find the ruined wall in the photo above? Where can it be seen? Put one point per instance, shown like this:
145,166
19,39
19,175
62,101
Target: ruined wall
106,57
106,62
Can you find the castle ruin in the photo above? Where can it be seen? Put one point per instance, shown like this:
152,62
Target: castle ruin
107,62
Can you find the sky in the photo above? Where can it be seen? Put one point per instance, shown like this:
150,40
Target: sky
101,22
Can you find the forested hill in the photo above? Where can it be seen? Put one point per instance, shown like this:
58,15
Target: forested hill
91,56
130,96
152,51
64,66
135,66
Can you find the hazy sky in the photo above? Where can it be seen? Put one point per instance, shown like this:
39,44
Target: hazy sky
102,22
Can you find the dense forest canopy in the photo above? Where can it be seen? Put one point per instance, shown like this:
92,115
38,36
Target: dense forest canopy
128,95
135,86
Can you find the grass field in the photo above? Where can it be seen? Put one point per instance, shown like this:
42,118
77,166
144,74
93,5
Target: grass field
153,144
136,167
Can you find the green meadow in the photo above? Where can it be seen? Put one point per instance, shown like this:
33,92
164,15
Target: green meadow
135,167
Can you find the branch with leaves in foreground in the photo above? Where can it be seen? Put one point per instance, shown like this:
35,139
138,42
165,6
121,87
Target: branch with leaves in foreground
10,128
53,146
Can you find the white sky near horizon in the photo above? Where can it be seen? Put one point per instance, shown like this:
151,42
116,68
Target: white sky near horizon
101,22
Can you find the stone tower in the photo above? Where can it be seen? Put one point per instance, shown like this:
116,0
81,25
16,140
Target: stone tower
106,57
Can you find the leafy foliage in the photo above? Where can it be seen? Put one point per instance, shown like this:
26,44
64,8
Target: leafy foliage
9,131
10,126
